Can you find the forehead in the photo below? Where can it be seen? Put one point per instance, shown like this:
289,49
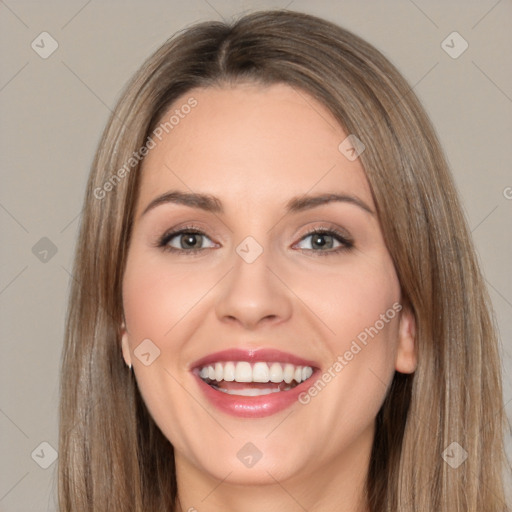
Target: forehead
248,142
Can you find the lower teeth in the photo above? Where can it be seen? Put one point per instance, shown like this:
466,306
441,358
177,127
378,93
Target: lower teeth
249,391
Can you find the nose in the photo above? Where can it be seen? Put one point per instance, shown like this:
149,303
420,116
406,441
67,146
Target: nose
253,294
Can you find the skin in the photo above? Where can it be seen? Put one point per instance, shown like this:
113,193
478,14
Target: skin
254,148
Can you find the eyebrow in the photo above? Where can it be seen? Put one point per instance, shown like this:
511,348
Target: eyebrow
213,204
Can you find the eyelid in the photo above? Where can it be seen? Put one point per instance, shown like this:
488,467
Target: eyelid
325,227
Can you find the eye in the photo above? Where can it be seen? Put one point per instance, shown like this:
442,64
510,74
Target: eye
191,240
323,241
187,239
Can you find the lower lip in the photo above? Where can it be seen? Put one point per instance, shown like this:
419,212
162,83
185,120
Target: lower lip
253,406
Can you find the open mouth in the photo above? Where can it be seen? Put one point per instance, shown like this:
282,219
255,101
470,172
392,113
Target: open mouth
243,378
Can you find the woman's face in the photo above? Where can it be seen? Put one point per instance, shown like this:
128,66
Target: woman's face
251,291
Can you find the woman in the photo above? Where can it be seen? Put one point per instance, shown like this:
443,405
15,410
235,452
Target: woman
275,290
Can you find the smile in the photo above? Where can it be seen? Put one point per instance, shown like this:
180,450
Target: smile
230,377
252,383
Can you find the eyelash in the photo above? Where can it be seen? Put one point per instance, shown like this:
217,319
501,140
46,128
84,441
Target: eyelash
347,244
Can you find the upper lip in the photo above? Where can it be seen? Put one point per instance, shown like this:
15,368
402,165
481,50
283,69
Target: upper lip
253,355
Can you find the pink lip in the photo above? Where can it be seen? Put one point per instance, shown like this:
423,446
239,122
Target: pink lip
253,406
253,356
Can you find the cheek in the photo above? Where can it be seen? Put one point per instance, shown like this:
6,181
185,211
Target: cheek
158,305
156,296
355,300
361,307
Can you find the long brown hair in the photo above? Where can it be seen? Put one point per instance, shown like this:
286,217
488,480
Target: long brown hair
112,454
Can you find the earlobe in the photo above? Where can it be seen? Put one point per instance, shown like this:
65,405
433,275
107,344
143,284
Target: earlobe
125,346
406,357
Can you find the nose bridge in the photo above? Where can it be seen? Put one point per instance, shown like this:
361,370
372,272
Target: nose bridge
251,291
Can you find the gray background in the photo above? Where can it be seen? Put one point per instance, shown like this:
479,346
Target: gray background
53,112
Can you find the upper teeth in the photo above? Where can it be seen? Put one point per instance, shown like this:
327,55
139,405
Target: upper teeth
243,371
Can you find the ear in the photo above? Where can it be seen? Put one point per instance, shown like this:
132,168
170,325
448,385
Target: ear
406,357
125,346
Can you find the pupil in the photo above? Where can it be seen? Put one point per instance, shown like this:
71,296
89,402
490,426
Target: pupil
319,240
190,239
